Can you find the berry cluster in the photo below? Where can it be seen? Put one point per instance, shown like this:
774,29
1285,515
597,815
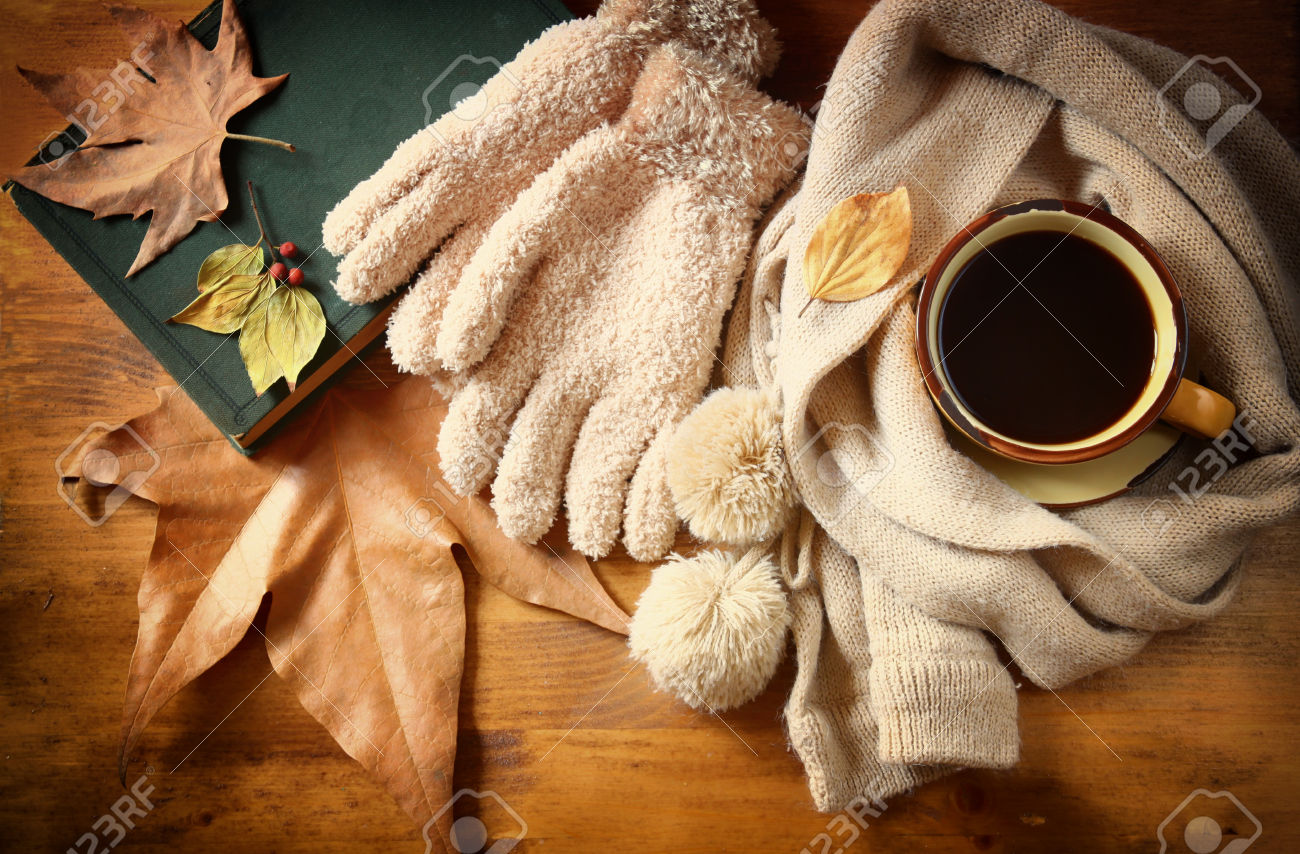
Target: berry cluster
281,271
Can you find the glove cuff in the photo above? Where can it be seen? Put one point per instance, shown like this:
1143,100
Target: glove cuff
730,31
695,120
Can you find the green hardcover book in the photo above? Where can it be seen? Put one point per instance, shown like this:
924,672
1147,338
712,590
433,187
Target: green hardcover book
362,77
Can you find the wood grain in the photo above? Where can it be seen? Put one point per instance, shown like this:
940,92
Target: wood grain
553,719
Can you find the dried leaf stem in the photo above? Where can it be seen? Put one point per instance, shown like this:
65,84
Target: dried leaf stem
287,146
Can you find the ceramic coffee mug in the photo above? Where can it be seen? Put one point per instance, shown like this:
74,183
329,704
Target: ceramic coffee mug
1166,396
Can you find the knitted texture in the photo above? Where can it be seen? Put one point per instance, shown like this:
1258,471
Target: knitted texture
587,320
430,205
885,695
859,732
972,105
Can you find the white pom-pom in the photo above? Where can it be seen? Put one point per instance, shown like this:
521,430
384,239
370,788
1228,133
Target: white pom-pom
711,629
727,471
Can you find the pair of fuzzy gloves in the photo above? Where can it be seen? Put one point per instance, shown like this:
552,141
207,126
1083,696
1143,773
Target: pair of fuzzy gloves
575,244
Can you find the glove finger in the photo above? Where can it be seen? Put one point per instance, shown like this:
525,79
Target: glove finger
552,214
479,302
526,493
447,384
352,217
400,240
413,329
477,425
612,439
441,151
650,524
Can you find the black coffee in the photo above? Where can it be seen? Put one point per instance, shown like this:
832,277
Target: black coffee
1056,359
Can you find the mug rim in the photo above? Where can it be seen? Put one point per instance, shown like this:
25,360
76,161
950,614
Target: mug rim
978,432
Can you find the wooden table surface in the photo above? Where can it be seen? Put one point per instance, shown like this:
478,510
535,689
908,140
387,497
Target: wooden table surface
552,718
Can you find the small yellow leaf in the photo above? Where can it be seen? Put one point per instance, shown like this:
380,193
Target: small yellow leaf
222,308
297,326
236,259
858,247
255,346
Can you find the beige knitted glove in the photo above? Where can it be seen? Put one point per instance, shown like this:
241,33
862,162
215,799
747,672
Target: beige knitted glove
436,197
600,295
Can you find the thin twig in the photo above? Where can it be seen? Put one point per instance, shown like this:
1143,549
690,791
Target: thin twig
287,146
261,229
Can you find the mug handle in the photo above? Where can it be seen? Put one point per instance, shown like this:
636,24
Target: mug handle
1199,411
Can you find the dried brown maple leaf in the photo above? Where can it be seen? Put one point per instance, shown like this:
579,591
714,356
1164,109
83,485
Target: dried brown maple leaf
343,519
157,144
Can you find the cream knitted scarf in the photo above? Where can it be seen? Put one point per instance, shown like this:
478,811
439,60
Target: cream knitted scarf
972,105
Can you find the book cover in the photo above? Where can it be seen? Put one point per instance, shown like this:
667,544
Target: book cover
362,77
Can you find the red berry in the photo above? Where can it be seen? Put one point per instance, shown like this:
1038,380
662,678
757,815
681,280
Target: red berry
295,277
288,250
279,271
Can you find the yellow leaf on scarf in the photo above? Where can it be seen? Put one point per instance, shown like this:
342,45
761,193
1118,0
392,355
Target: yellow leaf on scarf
858,247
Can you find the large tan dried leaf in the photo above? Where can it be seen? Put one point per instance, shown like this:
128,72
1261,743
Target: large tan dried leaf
858,247
159,145
343,520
